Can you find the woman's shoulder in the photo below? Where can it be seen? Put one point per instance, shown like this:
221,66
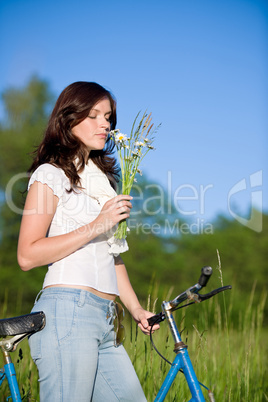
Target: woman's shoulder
52,176
49,168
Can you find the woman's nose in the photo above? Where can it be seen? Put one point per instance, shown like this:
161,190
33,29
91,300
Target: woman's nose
105,123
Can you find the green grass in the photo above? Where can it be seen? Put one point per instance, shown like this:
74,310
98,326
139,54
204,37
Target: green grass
229,356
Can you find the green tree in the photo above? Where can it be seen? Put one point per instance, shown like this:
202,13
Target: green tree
26,113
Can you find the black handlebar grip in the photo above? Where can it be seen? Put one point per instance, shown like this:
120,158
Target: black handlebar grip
206,272
151,321
156,319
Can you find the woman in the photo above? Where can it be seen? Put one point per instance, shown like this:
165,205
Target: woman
70,215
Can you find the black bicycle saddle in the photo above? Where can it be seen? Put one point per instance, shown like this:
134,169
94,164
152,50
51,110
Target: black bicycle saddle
24,324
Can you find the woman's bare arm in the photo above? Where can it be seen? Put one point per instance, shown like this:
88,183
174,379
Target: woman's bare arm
129,298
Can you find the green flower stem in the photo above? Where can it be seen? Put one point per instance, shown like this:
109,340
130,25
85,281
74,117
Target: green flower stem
131,151
121,231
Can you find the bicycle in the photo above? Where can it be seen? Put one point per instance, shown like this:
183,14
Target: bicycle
182,360
23,326
19,328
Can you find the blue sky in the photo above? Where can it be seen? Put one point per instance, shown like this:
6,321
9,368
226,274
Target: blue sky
199,66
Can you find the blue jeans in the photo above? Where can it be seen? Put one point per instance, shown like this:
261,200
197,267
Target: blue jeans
75,352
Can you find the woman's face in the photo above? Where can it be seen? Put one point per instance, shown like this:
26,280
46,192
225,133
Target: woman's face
94,129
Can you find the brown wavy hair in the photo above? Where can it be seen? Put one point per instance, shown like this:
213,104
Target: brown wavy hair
61,147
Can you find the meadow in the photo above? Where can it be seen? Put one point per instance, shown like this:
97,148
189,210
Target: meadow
229,357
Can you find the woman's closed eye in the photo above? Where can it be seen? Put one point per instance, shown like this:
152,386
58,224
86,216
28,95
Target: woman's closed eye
107,118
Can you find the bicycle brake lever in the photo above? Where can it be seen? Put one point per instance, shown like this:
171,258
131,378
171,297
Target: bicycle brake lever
213,293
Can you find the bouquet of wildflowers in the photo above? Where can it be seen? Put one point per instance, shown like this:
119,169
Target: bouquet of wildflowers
131,150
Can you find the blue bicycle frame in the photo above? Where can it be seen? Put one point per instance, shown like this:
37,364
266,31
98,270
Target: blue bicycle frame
10,374
181,362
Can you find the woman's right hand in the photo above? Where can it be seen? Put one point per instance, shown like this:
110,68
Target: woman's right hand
113,211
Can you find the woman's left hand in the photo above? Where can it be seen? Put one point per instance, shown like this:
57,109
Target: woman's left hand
140,316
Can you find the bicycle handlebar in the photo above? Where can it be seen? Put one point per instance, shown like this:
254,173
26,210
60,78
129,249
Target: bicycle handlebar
192,294
213,293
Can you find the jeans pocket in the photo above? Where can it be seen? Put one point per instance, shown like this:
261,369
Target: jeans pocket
35,345
64,318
